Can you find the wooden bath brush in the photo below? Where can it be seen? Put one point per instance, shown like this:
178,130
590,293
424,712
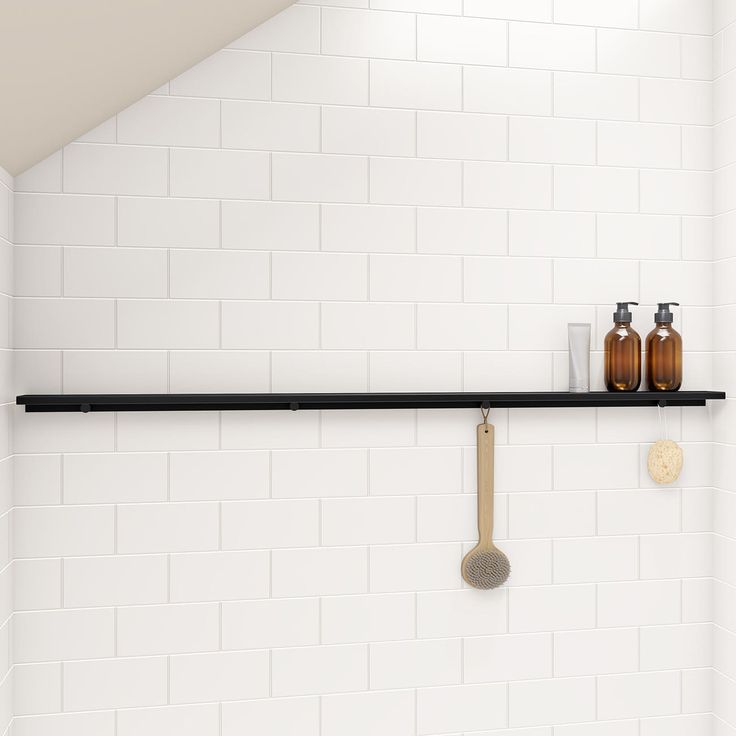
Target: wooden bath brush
485,566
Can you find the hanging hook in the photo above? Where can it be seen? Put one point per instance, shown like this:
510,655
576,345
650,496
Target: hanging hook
485,410
662,416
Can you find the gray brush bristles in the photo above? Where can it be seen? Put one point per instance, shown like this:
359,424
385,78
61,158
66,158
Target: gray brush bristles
486,568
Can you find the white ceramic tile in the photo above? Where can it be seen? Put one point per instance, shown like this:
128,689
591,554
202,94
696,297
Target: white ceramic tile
317,178
461,136
270,226
347,619
200,371
675,101
310,276
552,141
638,144
219,676
604,651
421,663
507,280
415,181
424,567
347,326
270,126
115,580
639,603
56,531
368,521
116,272
167,527
552,234
637,53
596,96
272,716
163,223
461,40
597,13
371,34
594,560
105,169
506,658
259,325
270,623
115,683
507,91
467,707
518,186
315,670
361,228
64,323
566,700
218,576
334,571
596,189
684,16
364,714
170,121
167,629
42,636
416,85
220,174
368,131
192,719
559,608
241,75
320,79
635,695
461,231
270,524
543,46
672,647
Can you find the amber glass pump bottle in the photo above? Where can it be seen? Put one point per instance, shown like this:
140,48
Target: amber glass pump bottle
622,352
664,352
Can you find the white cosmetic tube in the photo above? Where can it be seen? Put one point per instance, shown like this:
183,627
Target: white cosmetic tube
578,336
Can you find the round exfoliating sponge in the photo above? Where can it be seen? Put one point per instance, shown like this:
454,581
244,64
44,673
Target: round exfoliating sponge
664,461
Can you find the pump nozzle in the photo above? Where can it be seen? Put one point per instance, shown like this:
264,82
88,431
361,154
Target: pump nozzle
663,311
622,313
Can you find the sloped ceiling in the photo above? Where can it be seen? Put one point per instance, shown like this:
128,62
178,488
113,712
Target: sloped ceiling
68,65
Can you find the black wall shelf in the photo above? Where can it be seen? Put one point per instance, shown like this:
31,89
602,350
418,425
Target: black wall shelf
467,400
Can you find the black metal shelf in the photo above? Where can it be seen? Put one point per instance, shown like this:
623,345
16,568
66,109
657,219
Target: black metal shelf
466,400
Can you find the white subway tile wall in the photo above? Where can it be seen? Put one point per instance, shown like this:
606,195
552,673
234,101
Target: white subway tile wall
659,648
34,584
376,195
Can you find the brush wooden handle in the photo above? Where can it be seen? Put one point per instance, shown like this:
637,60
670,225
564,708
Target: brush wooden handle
485,440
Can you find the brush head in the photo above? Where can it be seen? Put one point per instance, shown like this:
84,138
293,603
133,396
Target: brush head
486,567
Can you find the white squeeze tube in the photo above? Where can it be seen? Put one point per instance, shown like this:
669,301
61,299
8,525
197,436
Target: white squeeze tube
578,336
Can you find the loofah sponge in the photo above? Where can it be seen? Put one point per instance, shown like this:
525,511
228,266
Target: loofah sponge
664,461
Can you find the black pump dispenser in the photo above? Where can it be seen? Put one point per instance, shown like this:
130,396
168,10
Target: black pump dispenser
622,352
622,313
663,312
